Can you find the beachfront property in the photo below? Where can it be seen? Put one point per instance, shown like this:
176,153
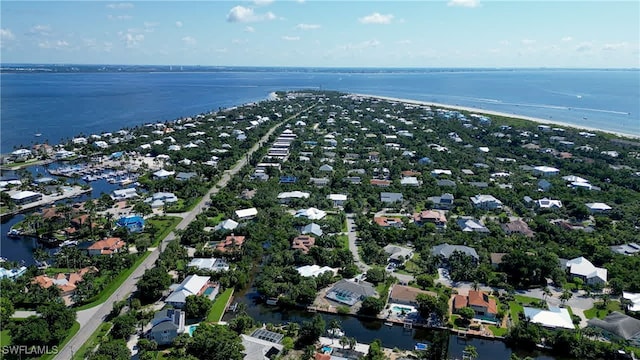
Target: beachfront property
12,273
554,318
195,285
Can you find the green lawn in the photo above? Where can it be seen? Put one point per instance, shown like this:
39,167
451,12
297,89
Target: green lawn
514,310
164,224
498,331
5,338
217,310
595,311
343,240
213,221
93,341
74,329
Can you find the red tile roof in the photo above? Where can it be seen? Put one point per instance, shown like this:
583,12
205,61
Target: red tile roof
108,246
228,243
303,242
481,299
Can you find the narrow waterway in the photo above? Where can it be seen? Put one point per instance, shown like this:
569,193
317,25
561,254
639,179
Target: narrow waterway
365,331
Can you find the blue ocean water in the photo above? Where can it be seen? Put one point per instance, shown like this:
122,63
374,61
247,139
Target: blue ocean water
62,105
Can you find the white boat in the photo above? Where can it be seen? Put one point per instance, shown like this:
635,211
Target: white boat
335,332
37,135
68,243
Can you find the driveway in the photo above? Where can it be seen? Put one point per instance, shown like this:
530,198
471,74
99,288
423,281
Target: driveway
353,237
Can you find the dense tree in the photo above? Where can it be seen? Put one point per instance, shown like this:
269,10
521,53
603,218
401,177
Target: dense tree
6,310
197,307
214,342
123,326
153,283
310,331
371,306
112,350
375,351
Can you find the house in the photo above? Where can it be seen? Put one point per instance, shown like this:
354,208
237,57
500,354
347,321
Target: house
259,349
26,197
553,318
548,204
312,228
288,179
445,183
195,285
584,269
407,295
389,197
286,197
487,202
479,184
386,222
337,199
380,183
544,185
442,202
517,227
303,243
246,214
326,168
545,171
166,325
319,182
634,301
209,264
626,249
350,292
314,270
618,326
598,208
431,216
311,213
184,176
355,180
468,224
440,172
496,259
445,251
124,194
12,273
160,199
398,254
133,223
479,301
67,283
107,246
230,243
163,174
409,181
227,225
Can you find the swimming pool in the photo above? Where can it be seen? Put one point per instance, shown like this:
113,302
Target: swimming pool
326,349
208,291
192,328
402,308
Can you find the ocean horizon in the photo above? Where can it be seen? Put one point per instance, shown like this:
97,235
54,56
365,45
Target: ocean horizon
62,104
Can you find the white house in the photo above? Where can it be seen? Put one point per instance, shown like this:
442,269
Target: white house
314,270
161,199
487,202
227,225
209,264
337,199
410,181
585,270
548,204
245,214
634,299
439,172
545,171
553,318
285,197
192,285
311,213
163,174
124,194
597,208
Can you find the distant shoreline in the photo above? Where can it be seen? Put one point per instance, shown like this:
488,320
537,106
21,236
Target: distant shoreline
499,113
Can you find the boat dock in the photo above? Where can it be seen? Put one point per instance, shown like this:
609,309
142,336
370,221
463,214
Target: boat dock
68,192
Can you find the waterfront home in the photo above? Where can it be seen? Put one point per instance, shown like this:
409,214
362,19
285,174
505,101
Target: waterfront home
209,264
407,295
133,223
259,349
161,199
12,273
398,254
311,213
598,208
246,214
484,306
517,227
124,194
435,217
554,318
230,244
226,225
166,325
469,224
337,199
389,197
21,154
486,202
584,269
349,292
618,326
67,283
445,251
442,202
312,228
195,285
303,243
106,246
314,270
26,197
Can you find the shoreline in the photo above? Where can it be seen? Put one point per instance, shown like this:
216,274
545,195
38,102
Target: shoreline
498,113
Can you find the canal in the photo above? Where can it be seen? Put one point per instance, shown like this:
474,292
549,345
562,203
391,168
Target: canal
365,331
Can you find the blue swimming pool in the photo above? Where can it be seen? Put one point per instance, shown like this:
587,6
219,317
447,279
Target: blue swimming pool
208,291
192,328
326,349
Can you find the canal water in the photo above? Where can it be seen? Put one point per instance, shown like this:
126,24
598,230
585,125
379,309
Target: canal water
21,249
365,331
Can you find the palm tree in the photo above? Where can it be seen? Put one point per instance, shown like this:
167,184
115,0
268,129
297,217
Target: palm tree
566,295
344,342
470,352
352,343
546,292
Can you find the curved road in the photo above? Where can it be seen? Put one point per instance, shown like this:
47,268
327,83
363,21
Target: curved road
91,319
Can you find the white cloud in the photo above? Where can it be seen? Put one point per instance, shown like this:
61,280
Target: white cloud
262,2
43,30
404,42
464,3
107,46
179,24
60,44
567,38
361,45
239,41
150,26
504,42
189,40
245,14
131,39
119,17
291,38
120,6
6,34
584,47
614,46
376,18
307,26
249,29
527,42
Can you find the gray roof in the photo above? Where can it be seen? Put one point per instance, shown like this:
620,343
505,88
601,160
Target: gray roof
257,349
480,184
390,197
446,182
618,323
270,336
395,252
312,228
447,250
361,289
626,249
185,175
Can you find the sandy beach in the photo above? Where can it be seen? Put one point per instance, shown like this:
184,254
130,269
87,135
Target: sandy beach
498,113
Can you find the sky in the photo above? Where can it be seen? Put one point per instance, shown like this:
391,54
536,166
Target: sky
322,33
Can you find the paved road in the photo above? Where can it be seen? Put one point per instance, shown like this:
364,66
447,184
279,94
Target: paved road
91,319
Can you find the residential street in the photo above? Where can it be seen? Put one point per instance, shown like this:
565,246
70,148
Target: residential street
91,319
